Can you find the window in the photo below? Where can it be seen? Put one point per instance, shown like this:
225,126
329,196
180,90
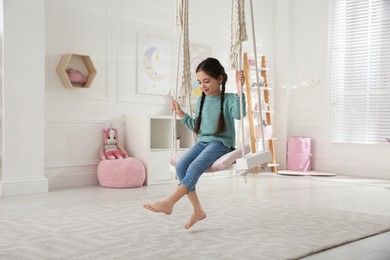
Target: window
360,71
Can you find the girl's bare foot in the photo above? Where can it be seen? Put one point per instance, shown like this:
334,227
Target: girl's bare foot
160,206
197,216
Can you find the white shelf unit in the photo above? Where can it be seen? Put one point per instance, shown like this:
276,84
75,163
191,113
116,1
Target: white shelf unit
150,139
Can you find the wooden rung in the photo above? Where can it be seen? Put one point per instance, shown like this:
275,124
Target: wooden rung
262,69
254,87
264,112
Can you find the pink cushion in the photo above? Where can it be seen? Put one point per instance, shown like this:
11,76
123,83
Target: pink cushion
76,77
121,173
223,163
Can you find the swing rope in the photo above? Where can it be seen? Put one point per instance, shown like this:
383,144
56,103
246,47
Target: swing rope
238,35
257,78
257,158
182,28
238,30
183,43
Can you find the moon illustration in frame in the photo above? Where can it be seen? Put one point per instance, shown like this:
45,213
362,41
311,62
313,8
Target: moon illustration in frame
154,64
151,58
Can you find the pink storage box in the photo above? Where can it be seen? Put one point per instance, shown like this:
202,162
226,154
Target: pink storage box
298,153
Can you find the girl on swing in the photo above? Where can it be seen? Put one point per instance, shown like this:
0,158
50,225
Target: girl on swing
215,131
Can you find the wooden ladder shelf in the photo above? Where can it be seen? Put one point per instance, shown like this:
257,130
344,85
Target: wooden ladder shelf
250,112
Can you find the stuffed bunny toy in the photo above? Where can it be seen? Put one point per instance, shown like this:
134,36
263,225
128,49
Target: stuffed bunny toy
111,149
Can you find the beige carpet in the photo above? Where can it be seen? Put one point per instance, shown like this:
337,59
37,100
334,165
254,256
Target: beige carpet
235,229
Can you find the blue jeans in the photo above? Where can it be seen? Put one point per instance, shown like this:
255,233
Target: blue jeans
196,160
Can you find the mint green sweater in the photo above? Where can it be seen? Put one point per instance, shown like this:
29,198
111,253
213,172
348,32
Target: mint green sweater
210,115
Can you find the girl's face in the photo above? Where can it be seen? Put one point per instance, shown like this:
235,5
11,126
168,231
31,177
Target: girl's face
209,85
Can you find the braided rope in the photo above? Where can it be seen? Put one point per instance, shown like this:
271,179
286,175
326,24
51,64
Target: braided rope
238,35
186,77
184,95
238,32
182,28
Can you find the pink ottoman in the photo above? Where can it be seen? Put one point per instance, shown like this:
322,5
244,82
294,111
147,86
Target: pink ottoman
298,153
121,173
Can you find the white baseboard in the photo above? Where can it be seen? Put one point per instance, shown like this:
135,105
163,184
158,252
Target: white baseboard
24,186
360,172
73,180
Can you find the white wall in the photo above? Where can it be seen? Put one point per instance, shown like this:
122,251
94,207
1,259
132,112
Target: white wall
107,31
75,118
303,24
23,98
1,86
59,130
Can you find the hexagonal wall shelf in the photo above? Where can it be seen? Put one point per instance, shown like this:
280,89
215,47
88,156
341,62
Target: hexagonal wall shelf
79,63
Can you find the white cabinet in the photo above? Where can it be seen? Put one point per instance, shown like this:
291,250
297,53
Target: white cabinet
150,139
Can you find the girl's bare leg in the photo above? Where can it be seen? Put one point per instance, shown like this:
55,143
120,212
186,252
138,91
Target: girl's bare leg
198,214
166,205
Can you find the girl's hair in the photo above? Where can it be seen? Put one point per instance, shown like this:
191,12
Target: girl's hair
213,68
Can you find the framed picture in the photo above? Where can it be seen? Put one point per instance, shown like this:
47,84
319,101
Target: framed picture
154,64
